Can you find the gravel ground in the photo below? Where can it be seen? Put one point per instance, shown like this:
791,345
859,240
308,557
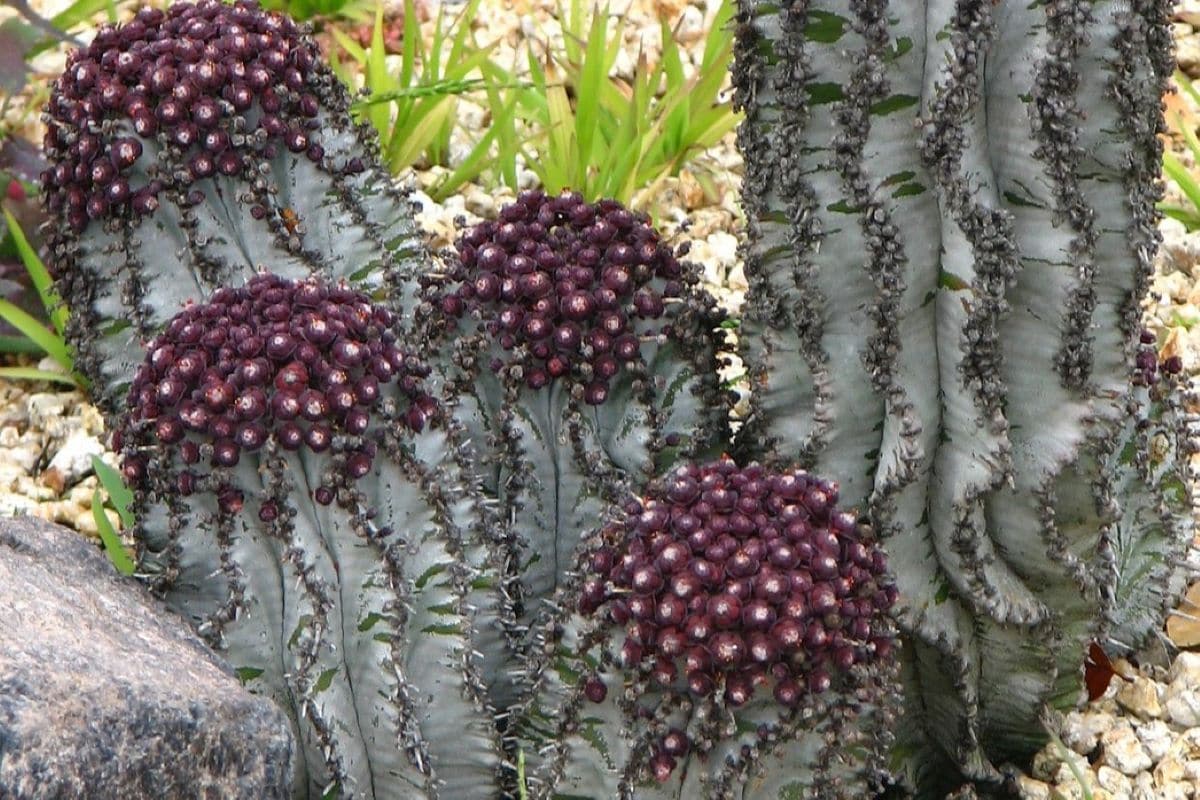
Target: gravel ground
1140,741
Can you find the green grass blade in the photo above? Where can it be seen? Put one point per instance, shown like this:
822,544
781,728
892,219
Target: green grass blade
1179,173
587,94
1186,84
35,374
118,492
412,41
459,42
38,275
427,120
1189,217
504,115
19,345
356,50
108,537
39,334
375,76
443,88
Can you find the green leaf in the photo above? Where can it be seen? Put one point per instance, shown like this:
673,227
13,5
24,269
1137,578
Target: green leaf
369,621
118,493
943,593
822,93
35,374
413,140
38,275
909,190
587,97
896,102
48,340
108,537
825,27
325,680
247,674
948,280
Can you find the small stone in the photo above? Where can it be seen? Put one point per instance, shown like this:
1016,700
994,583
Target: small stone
1121,750
1187,54
690,26
1031,789
105,689
1156,737
1113,781
1183,625
1187,11
1065,777
1140,696
1185,671
85,522
72,461
1143,787
1082,729
41,408
1183,706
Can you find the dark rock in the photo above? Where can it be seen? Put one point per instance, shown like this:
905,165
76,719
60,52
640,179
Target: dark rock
104,694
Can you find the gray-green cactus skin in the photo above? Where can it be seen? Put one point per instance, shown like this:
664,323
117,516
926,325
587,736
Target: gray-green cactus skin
558,452
951,223
346,575
271,178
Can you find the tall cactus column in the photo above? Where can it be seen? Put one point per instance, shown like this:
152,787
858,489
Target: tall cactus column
951,218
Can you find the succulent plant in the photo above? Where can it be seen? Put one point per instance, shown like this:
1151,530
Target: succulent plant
584,361
308,506
727,633
951,218
189,148
440,514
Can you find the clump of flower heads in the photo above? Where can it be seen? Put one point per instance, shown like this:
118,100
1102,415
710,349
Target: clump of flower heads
727,580
207,83
301,362
1146,361
568,289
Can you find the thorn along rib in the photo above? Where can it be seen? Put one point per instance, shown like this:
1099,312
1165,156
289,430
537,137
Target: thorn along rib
995,180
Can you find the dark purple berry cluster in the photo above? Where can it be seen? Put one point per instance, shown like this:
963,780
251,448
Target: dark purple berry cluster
726,579
1146,361
301,362
182,79
568,288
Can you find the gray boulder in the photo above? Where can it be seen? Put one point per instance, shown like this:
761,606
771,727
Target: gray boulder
104,694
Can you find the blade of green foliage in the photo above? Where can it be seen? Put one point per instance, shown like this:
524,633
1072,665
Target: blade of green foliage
113,548
43,337
35,374
118,494
38,275
1182,177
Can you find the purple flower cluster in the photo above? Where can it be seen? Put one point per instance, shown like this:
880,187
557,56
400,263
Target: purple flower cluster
1146,363
298,361
568,287
727,579
183,79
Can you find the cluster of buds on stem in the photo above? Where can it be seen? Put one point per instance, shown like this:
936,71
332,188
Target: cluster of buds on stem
567,287
208,82
727,579
302,362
